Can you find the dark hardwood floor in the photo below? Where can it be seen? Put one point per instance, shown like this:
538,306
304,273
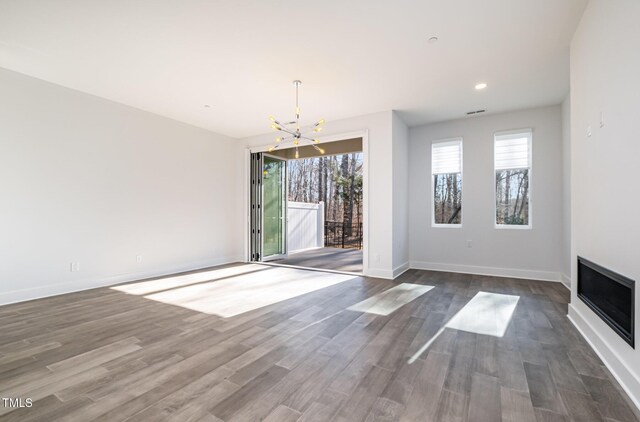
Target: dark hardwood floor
107,355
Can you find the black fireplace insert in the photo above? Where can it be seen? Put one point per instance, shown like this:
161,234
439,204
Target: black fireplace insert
610,295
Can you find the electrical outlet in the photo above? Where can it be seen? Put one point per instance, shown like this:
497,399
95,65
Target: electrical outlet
74,267
139,259
469,244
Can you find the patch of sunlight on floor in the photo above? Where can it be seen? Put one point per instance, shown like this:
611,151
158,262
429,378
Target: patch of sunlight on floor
390,300
486,313
166,283
249,290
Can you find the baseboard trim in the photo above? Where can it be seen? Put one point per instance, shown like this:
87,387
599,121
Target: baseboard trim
379,273
57,289
401,269
492,271
629,381
565,280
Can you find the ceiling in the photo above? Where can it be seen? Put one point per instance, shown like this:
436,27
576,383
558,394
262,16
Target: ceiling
171,57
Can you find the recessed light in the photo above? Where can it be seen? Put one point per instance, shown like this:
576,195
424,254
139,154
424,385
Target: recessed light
432,40
207,106
481,85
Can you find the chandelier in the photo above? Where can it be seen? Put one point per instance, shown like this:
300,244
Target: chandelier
291,130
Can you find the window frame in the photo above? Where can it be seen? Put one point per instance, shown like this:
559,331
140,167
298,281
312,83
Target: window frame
518,133
459,140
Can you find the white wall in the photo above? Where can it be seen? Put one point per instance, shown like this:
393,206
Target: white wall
400,195
87,180
605,64
378,261
566,192
305,226
531,253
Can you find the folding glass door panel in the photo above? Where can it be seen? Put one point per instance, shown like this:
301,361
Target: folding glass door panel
274,211
268,207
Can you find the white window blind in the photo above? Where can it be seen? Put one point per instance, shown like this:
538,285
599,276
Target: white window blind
513,151
446,157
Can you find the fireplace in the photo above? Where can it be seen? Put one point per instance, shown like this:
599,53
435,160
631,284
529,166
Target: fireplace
610,295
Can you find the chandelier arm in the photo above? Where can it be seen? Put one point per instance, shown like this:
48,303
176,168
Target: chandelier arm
286,130
279,123
315,128
297,106
284,124
273,147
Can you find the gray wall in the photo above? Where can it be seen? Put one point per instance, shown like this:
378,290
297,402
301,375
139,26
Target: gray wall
88,180
566,191
605,64
534,253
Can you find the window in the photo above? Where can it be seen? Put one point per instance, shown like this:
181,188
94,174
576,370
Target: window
446,171
512,157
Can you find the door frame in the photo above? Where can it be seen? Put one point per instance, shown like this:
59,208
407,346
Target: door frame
364,134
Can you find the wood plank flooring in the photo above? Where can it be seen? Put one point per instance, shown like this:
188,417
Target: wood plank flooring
119,355
328,258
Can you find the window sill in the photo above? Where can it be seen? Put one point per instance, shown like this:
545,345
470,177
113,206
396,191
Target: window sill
512,227
446,226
